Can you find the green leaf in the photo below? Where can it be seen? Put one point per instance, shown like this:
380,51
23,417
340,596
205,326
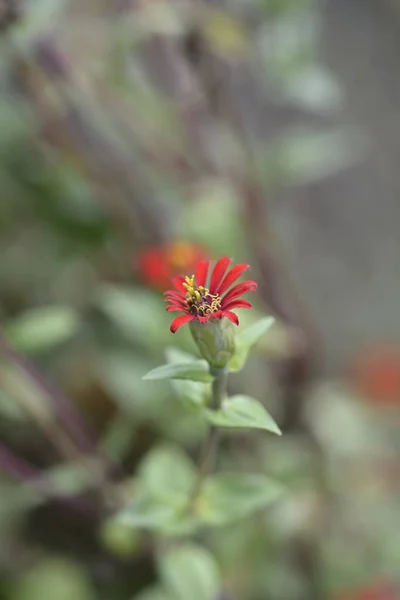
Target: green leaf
165,481
69,479
28,401
227,497
137,313
167,473
53,578
189,571
175,355
195,371
313,88
167,516
119,540
147,513
42,328
248,338
243,411
306,157
153,593
122,374
190,392
149,402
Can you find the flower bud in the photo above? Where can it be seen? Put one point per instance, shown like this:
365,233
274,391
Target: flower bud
215,340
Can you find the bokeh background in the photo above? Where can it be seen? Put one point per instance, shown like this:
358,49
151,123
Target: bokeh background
136,136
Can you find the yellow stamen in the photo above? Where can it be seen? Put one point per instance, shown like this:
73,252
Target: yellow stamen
198,298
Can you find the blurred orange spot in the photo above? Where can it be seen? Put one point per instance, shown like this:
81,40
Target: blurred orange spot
157,265
182,254
375,374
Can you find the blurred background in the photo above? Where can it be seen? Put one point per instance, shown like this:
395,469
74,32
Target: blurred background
137,136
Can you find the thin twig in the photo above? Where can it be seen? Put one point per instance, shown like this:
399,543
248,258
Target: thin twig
63,407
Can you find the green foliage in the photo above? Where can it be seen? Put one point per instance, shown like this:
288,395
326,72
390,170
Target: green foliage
194,371
161,492
123,542
153,593
227,497
167,473
279,7
243,411
113,153
306,157
54,578
192,393
42,328
247,339
137,313
189,571
121,371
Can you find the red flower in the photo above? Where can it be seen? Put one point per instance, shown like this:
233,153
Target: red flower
159,264
201,303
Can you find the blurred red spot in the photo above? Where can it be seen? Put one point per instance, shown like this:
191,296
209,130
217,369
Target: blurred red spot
376,591
375,374
157,265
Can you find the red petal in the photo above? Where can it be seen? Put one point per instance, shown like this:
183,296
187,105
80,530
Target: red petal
174,307
181,307
178,281
204,319
237,304
233,274
174,296
238,290
179,321
218,273
231,316
202,272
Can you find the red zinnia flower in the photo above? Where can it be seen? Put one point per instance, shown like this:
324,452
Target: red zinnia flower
201,303
159,264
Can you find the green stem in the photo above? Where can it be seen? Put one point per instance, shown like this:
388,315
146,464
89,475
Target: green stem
209,452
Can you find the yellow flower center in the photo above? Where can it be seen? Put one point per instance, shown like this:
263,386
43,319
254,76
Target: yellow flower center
199,300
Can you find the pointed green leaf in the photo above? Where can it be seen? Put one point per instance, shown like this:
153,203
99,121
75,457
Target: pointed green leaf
190,392
160,515
176,355
243,411
248,338
147,513
42,328
227,497
189,571
194,371
167,473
